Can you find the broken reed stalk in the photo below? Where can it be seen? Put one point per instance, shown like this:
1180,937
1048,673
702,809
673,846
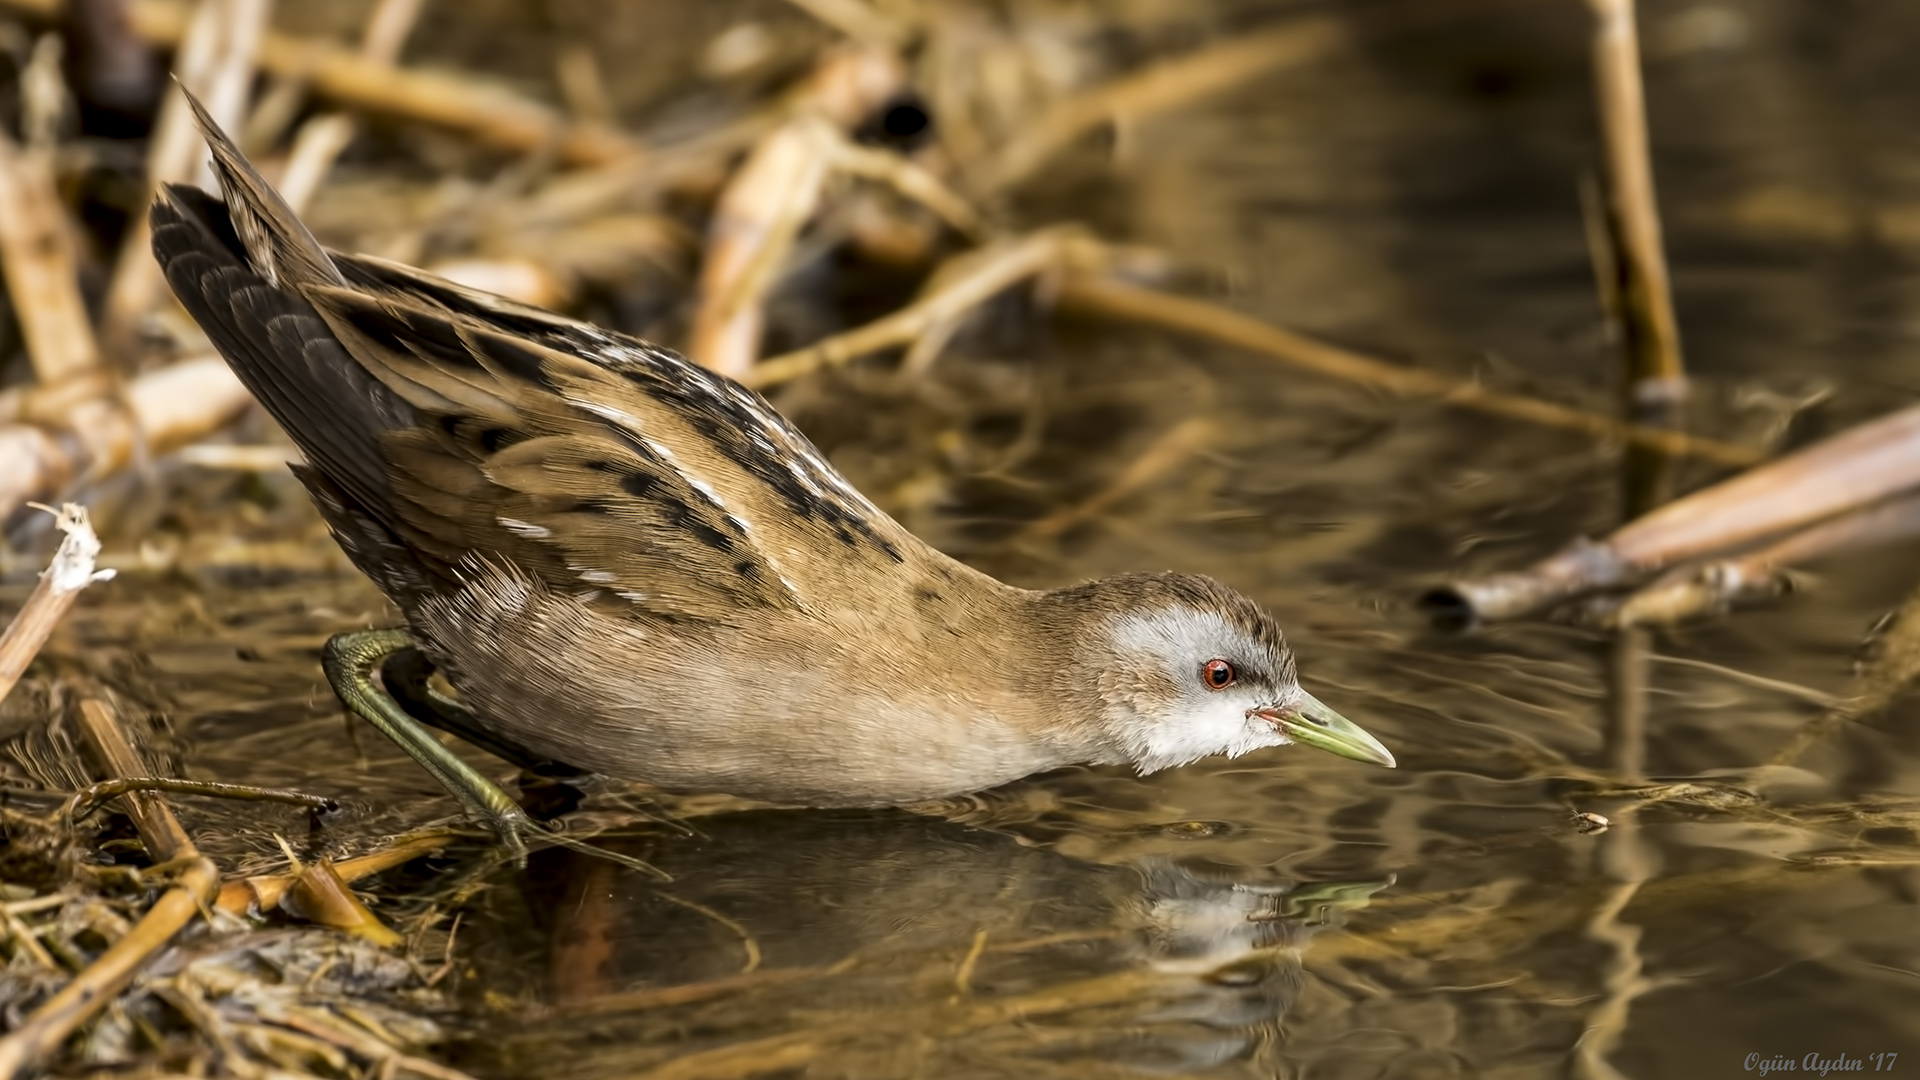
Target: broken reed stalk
216,58
70,570
1688,591
1098,295
485,112
157,412
318,894
197,883
263,893
1855,468
775,192
1657,375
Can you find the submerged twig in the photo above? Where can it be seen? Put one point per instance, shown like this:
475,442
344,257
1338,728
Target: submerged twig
1166,453
86,801
1894,666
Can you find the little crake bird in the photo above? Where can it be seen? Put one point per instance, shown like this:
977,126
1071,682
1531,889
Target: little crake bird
627,562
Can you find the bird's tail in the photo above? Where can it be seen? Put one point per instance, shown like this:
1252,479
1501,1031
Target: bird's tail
278,246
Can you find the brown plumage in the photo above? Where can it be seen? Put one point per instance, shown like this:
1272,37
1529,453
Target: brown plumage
633,564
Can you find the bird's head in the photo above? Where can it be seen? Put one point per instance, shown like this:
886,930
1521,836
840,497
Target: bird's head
1184,668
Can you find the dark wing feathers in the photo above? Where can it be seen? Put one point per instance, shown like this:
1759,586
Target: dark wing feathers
277,344
444,425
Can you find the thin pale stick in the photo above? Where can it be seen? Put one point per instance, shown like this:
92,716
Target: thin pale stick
1104,296
70,570
1658,374
989,271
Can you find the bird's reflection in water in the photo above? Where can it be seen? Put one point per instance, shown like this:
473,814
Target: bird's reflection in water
885,944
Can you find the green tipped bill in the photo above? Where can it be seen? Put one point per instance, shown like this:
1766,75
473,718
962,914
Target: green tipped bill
1313,724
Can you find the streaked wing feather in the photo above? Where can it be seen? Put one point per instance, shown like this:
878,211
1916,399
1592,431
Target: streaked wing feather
505,460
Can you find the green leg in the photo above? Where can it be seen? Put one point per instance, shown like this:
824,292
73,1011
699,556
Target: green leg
351,661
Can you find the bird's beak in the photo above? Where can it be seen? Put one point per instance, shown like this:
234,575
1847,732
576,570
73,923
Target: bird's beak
1308,721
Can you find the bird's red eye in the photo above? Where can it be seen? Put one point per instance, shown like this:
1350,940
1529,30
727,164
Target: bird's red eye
1218,674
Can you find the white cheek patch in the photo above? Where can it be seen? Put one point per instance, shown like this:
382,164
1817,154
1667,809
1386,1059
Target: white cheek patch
1222,728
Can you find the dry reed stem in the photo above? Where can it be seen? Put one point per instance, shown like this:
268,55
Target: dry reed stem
1855,468
487,113
28,1045
760,214
1114,299
37,250
1657,375
322,138
964,283
70,570
216,59
775,192
158,412
770,198
1693,590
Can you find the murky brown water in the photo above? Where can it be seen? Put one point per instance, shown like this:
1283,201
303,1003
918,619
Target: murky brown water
1287,913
